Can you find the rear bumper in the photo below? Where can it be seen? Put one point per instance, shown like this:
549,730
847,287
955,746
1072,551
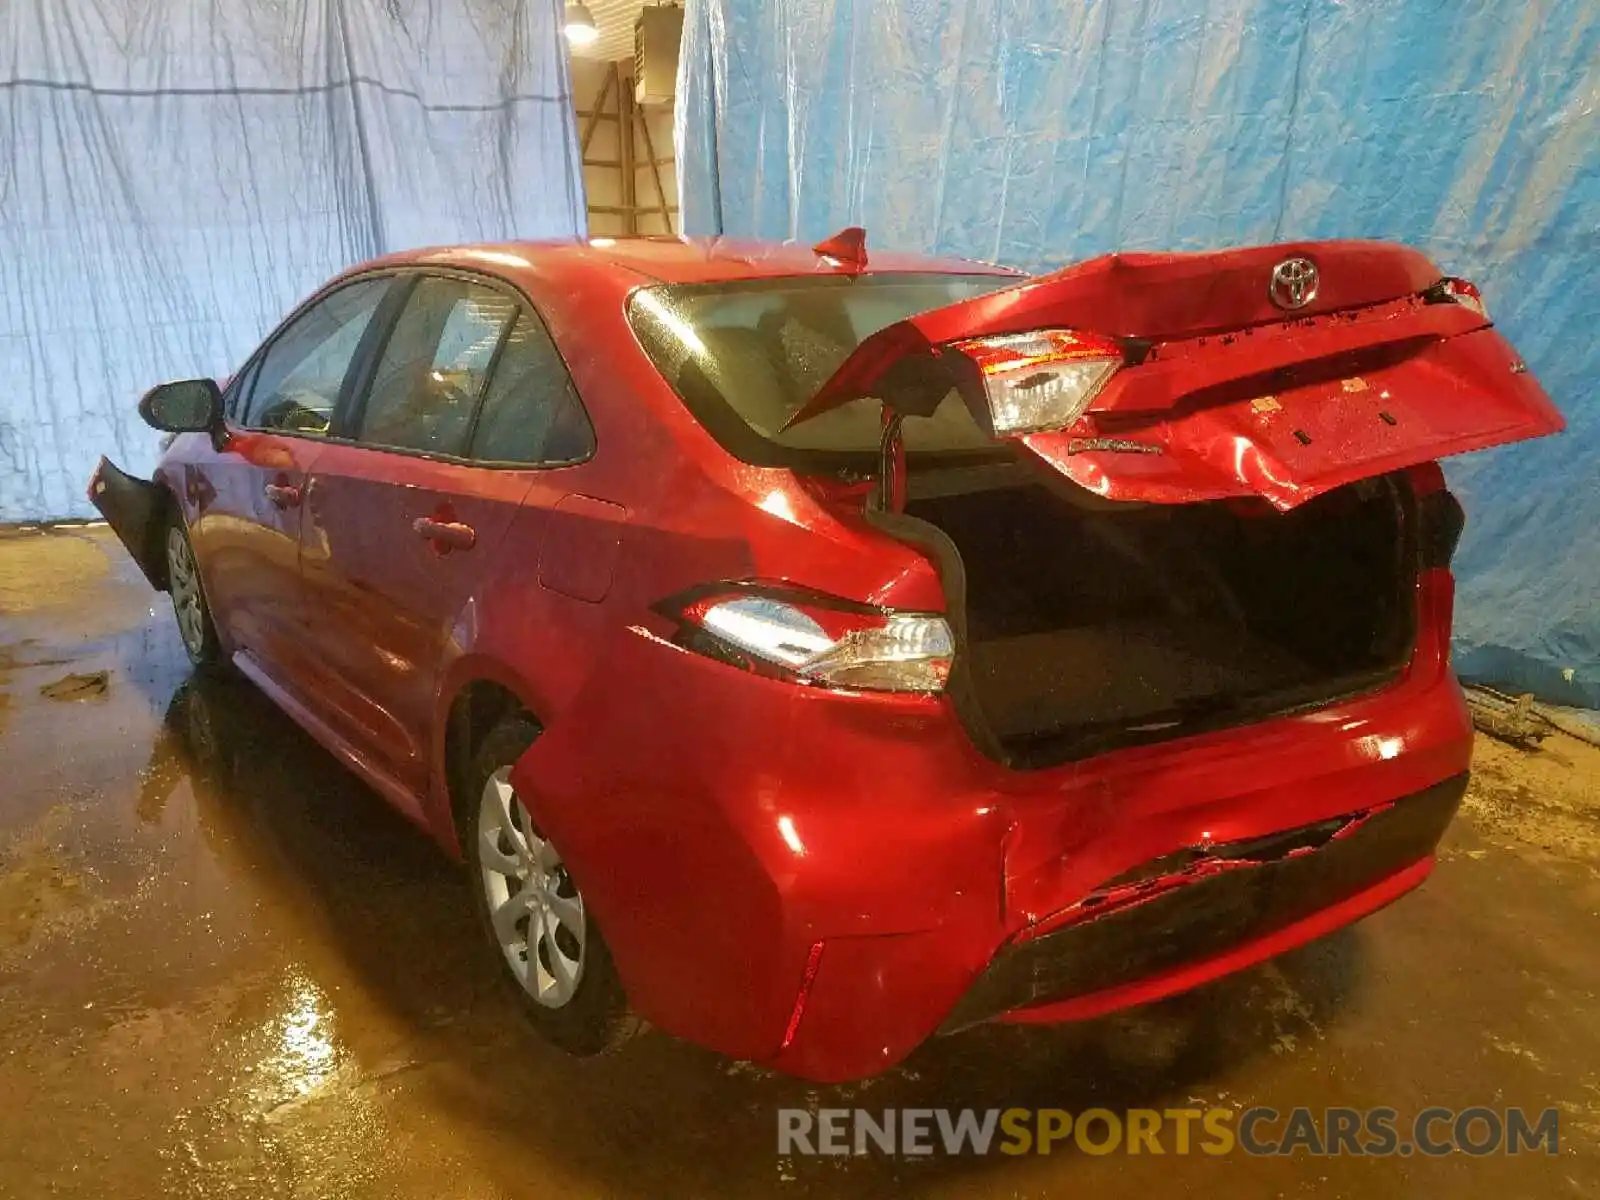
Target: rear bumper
1213,909
724,826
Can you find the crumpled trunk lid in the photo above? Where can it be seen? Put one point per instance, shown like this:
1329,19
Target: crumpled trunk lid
1293,410
1277,371
1164,296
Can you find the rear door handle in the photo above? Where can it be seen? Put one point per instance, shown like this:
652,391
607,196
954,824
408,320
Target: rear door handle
446,533
282,494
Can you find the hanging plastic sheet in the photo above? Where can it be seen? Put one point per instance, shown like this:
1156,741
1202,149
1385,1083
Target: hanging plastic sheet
1037,133
175,176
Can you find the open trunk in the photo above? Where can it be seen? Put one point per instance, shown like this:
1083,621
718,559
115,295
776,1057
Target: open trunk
1092,624
1210,519
1202,514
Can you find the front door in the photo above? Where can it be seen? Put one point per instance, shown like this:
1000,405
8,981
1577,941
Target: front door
247,496
405,524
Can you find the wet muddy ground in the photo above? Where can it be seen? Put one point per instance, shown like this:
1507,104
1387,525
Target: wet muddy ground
227,969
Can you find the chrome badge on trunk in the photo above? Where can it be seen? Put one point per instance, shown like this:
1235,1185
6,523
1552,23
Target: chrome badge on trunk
1293,284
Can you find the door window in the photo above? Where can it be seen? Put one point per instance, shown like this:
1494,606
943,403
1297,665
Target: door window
532,413
426,388
296,387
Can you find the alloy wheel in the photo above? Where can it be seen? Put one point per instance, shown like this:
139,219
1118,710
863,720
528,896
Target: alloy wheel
183,582
535,909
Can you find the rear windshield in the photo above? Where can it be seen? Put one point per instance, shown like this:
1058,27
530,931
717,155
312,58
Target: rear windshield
745,355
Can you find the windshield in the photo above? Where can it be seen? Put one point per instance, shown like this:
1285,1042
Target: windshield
746,355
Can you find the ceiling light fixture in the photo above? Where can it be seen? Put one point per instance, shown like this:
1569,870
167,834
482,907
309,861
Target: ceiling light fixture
580,26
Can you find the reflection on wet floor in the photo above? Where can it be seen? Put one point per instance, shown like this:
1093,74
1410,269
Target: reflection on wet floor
227,968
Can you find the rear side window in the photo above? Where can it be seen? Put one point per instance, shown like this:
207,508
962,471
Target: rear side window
297,384
531,413
427,385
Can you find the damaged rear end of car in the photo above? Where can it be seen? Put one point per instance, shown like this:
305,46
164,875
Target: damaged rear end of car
1221,493
1183,681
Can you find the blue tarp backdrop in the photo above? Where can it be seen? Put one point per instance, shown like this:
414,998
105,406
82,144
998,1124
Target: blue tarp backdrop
1037,132
175,175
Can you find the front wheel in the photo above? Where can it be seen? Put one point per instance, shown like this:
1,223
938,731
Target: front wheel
195,626
546,940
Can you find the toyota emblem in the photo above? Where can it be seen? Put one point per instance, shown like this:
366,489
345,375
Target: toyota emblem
1294,283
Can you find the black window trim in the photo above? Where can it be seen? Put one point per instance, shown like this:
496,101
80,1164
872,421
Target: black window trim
347,417
351,409
244,383
230,394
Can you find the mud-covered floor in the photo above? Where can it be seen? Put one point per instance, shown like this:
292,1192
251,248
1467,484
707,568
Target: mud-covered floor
226,969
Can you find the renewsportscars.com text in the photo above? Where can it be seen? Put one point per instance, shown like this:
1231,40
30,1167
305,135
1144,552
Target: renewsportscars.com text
1374,1132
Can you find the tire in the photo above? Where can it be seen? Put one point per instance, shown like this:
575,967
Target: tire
570,990
196,628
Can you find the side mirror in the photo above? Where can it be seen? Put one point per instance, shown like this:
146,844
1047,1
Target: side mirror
187,406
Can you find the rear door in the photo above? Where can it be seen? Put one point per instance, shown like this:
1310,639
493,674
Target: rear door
1279,371
404,523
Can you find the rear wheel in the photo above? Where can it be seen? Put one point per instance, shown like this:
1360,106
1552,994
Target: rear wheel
546,940
195,626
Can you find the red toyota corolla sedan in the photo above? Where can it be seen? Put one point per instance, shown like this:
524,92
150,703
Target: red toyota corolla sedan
809,654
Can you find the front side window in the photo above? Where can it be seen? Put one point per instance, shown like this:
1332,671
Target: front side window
297,384
532,413
428,382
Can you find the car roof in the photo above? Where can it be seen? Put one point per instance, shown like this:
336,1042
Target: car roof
673,259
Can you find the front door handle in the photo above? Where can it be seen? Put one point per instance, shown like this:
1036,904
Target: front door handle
446,533
282,494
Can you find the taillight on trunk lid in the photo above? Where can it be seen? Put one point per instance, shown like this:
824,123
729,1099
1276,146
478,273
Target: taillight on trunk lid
808,637
1040,380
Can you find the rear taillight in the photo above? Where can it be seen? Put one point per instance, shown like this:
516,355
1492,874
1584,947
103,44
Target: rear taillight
1040,380
809,638
1462,292
1440,520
